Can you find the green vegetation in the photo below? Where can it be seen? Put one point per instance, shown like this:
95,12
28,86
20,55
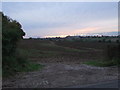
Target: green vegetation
27,68
31,67
12,59
112,57
114,62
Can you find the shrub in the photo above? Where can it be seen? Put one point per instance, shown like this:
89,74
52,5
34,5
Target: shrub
11,34
117,41
113,53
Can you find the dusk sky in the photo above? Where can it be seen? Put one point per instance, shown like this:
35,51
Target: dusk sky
49,19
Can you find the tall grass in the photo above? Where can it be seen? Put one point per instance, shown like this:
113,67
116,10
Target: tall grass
112,57
19,63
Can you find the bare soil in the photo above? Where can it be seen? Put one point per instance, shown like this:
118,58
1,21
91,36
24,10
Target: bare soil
60,75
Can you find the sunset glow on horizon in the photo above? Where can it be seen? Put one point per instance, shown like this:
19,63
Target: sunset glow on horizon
55,36
60,19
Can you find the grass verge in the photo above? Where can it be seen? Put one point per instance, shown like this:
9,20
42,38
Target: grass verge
114,62
27,67
18,63
30,67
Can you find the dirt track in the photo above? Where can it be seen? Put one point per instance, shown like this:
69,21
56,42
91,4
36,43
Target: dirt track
61,75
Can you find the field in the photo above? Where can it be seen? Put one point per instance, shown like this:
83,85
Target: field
63,51
64,64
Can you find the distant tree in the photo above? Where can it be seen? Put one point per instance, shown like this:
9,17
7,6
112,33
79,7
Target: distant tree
30,37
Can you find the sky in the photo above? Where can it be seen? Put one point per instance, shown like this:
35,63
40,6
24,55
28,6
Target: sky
54,19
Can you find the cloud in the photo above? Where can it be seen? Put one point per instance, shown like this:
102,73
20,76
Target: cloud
51,19
86,30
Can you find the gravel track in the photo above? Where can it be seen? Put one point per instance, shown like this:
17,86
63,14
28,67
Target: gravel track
59,75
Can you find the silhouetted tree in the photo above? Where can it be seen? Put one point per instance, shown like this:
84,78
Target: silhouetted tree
30,37
11,33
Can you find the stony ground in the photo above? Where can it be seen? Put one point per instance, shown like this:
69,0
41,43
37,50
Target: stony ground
61,75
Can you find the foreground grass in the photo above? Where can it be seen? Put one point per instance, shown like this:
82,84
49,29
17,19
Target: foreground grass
25,68
103,63
19,63
30,67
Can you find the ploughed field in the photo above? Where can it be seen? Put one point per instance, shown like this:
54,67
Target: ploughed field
63,51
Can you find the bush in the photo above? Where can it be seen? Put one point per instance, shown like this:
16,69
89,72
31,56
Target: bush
113,54
117,41
112,57
113,51
11,34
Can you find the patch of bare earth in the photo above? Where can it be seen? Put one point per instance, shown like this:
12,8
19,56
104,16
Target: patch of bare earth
61,74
